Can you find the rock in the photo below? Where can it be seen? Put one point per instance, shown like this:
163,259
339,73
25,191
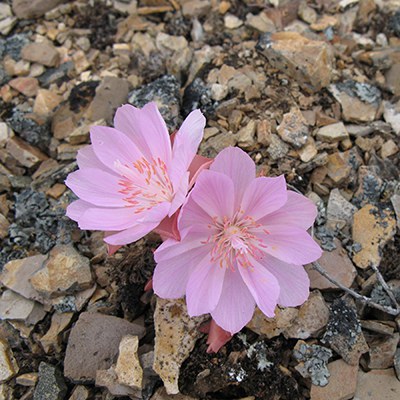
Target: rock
264,132
325,22
81,133
339,211
8,364
397,363
337,264
293,128
24,153
108,378
67,151
93,344
389,149
246,135
5,133
4,225
218,91
42,53
377,384
372,229
51,340
272,327
51,384
176,335
377,327
219,142
128,368
309,62
28,379
110,94
161,394
370,186
80,392
16,276
45,102
232,22
7,24
332,133
391,114
382,351
313,362
26,9
395,199
306,13
65,272
260,23
15,307
343,333
277,148
342,383
360,101
25,85
196,8
392,81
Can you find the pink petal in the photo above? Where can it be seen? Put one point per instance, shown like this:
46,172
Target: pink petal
264,196
180,194
214,193
168,228
236,304
76,209
263,286
217,337
236,164
130,235
297,211
293,281
204,287
86,158
97,187
112,147
146,128
175,261
290,244
198,164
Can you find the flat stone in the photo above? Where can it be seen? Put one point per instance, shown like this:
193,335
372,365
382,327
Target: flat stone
370,186
308,151
392,79
246,135
51,341
337,168
24,153
391,113
8,364
342,383
65,272
333,133
294,129
377,327
93,344
277,148
306,13
176,335
232,22
81,133
25,85
382,351
309,62
264,132
128,368
260,23
372,229
51,384
395,199
389,149
7,24
80,392
218,91
337,264
4,225
41,53
312,318
377,384
28,379
108,378
339,211
196,8
26,9
161,394
397,363
5,133
45,102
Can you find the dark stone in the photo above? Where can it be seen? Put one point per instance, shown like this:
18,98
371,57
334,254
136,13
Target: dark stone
197,95
394,23
4,78
12,46
57,75
364,91
81,95
51,384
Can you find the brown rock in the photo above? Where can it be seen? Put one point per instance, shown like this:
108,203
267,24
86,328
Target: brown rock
24,153
161,394
309,62
41,53
51,340
128,368
4,225
80,392
382,351
28,379
342,383
8,364
246,135
308,151
45,103
377,384
25,85
332,133
337,168
339,211
337,264
372,229
392,79
293,128
108,378
26,9
65,272
264,132
93,344
389,149
196,8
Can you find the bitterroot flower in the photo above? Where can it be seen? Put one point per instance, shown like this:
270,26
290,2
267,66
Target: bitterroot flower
244,242
131,178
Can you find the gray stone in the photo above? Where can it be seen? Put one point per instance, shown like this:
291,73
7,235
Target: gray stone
25,9
42,53
277,149
51,384
293,128
339,211
333,133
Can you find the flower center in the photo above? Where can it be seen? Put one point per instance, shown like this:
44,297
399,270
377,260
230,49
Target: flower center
145,184
235,241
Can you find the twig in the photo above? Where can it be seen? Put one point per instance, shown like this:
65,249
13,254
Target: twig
386,287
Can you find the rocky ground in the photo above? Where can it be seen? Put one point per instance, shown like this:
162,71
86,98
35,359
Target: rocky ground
309,89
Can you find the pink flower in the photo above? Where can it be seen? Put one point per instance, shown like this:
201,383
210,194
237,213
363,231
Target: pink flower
243,242
131,179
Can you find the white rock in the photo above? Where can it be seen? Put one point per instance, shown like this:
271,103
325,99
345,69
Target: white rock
218,91
8,364
232,22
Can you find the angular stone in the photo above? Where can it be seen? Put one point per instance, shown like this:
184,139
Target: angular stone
308,151
24,153
8,364
108,378
312,318
382,351
128,368
372,229
195,8
339,211
93,344
232,22
391,114
51,384
80,392
25,85
277,148
260,23
45,102
28,379
65,272
332,133
26,9
342,383
5,133
338,169
246,135
51,340
41,53
309,62
389,149
392,79
161,394
293,128
377,384
4,225
176,335
395,199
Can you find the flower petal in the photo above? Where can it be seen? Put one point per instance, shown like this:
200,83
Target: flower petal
146,128
97,187
168,228
130,235
297,211
293,281
290,244
264,196
204,287
238,165
214,193
180,194
86,158
76,209
263,286
236,304
198,164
